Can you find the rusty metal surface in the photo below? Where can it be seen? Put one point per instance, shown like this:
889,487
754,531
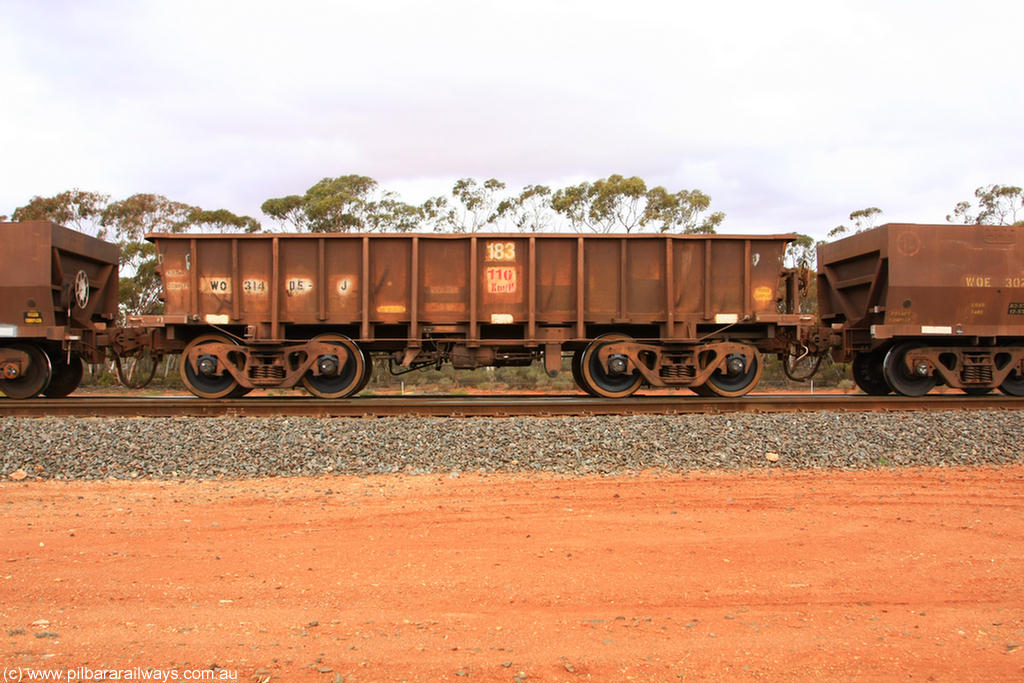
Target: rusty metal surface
502,406
482,287
54,280
908,280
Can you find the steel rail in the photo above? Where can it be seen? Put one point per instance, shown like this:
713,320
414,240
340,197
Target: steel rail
490,406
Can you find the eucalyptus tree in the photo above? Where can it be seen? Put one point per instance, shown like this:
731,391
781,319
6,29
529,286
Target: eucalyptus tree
473,206
620,204
349,203
863,219
77,209
529,211
997,205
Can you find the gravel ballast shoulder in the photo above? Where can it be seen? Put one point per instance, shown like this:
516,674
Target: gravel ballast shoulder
211,448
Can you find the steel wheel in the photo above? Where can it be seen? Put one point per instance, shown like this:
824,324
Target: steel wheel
601,383
341,373
367,372
577,372
66,376
204,381
239,391
868,373
701,390
1013,385
738,382
33,379
902,380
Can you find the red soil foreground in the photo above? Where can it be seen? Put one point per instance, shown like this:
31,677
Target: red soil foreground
775,576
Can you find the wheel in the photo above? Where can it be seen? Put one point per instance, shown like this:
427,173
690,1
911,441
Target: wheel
341,373
33,379
868,373
599,382
1013,385
902,380
741,380
702,390
239,391
204,381
65,377
976,391
577,372
367,373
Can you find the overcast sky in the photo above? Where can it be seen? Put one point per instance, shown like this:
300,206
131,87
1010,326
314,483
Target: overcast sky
789,114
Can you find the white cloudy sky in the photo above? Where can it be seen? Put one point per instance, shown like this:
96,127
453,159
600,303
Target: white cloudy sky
790,114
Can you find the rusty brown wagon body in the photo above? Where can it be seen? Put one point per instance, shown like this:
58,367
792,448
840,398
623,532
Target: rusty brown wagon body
58,303
917,305
277,310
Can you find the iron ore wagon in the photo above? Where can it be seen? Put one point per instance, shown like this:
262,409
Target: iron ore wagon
58,305
276,310
920,305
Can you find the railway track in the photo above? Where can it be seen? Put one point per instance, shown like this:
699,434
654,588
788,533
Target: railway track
491,406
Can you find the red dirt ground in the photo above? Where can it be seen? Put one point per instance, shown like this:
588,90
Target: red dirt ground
768,576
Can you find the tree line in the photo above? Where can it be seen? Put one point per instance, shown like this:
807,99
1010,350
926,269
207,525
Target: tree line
612,204
356,203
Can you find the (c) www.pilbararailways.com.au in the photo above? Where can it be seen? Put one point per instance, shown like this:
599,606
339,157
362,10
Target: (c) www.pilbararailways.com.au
136,674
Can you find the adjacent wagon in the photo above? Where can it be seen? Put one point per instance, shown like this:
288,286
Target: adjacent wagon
58,303
919,305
